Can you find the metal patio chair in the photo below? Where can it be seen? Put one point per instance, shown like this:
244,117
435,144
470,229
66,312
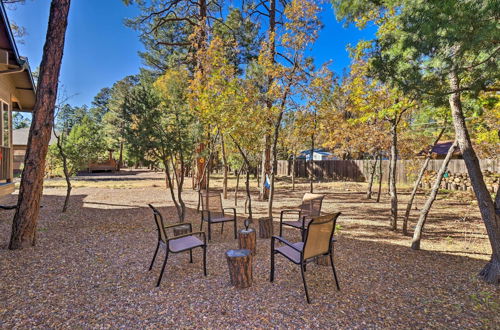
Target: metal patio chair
318,242
309,208
177,244
212,212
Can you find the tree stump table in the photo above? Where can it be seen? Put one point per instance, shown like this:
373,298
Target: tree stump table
239,263
325,260
247,239
265,227
179,230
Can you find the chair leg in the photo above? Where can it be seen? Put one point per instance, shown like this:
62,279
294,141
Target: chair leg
201,225
191,256
222,229
209,231
334,272
271,276
154,256
281,225
304,280
162,268
235,230
205,260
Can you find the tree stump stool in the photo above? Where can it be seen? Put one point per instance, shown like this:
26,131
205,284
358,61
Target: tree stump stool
247,239
265,227
184,229
239,263
325,260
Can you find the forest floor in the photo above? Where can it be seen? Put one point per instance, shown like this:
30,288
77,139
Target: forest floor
89,268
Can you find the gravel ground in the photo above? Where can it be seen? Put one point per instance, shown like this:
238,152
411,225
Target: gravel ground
89,269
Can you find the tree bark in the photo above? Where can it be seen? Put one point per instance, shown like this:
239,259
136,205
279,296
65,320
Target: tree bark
247,239
179,207
392,175
491,272
417,182
372,176
417,235
379,177
226,167
120,157
239,263
30,192
293,171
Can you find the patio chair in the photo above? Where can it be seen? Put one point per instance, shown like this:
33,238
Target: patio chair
319,242
310,207
212,212
177,244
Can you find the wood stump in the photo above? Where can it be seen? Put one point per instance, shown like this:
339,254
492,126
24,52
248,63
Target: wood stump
323,261
239,263
184,229
247,239
265,227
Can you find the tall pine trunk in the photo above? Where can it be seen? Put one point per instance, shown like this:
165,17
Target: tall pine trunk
392,175
30,192
293,171
417,182
491,271
417,235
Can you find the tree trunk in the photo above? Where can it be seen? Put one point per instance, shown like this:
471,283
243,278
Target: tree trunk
120,158
237,186
379,177
226,167
392,175
311,166
372,176
247,239
417,182
293,171
491,272
239,263
30,192
417,235
265,169
170,186
65,170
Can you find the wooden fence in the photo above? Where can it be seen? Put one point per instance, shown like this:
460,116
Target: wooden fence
359,170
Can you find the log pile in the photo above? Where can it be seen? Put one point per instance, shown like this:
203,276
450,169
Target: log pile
460,181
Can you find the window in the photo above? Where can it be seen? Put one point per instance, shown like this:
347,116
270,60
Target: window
5,125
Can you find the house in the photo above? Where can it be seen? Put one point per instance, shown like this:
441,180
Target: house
318,154
20,144
440,150
17,93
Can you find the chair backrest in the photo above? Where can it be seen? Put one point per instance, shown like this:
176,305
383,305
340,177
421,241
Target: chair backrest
319,235
211,201
311,204
160,224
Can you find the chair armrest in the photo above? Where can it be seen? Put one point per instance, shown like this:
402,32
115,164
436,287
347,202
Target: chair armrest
291,211
179,224
202,233
284,241
231,208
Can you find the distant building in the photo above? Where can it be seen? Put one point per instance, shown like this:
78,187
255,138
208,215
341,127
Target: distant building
17,93
20,144
440,150
318,154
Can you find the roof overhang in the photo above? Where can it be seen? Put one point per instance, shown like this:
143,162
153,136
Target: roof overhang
17,67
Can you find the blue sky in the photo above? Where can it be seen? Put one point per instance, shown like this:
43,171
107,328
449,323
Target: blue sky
101,50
